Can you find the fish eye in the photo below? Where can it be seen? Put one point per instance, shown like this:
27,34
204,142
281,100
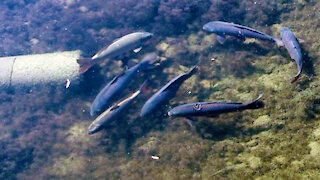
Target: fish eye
197,107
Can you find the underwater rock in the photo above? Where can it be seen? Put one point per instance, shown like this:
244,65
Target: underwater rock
77,136
262,122
278,79
150,145
316,133
253,161
281,159
70,165
315,149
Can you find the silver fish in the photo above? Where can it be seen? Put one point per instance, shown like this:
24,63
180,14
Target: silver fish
113,90
292,45
166,93
122,45
242,32
213,109
113,112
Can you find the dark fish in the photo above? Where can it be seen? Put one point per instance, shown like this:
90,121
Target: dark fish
166,93
213,109
112,91
120,46
292,45
224,28
113,112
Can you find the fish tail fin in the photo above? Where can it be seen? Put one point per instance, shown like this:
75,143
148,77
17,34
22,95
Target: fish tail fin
295,78
279,42
85,64
255,104
194,69
143,87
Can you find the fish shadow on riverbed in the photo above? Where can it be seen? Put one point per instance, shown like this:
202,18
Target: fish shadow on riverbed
239,58
90,81
227,125
308,63
122,134
255,48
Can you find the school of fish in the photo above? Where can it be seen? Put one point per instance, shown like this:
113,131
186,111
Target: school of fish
108,104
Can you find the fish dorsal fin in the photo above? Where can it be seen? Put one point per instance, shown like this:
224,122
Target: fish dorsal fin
130,97
114,107
137,50
172,83
247,28
220,102
101,50
221,39
116,78
233,102
106,47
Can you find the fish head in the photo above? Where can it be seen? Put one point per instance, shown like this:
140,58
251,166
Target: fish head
145,36
284,30
210,27
93,128
175,111
144,111
171,113
186,109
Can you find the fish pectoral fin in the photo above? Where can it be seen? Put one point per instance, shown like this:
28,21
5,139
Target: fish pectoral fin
137,50
241,37
116,78
300,40
221,39
190,121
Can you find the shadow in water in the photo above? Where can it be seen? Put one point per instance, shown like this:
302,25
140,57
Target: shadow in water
222,127
308,63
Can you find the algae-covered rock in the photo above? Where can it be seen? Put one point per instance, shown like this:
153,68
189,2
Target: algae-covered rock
70,165
279,79
315,149
262,122
316,133
253,161
297,165
206,84
280,159
77,136
150,145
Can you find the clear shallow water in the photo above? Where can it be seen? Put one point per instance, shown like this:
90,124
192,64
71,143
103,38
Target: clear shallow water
43,128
